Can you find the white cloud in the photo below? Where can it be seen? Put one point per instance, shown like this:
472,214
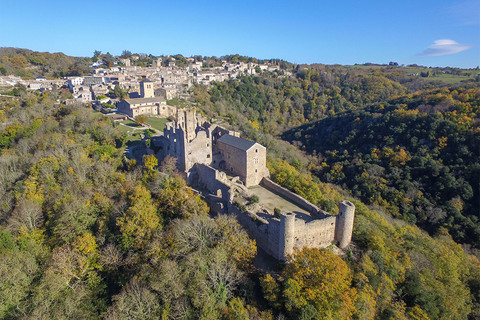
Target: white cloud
443,47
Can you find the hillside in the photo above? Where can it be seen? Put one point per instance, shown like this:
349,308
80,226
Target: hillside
86,233
29,64
416,155
355,122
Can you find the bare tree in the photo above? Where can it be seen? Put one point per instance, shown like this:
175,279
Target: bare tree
26,214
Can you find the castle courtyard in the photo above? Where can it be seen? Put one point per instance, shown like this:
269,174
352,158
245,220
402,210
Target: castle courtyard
270,200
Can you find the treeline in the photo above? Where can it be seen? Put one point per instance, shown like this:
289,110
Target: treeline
279,103
416,155
29,64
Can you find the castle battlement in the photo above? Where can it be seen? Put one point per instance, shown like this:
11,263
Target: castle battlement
225,166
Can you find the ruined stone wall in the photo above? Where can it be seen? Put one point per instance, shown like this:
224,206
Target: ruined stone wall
258,231
318,233
175,144
282,237
298,200
212,180
198,150
165,110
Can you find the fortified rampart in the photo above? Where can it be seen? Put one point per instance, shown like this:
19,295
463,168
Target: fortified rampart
281,236
221,164
301,202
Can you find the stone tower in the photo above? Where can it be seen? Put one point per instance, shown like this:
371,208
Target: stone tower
146,89
344,223
286,235
187,121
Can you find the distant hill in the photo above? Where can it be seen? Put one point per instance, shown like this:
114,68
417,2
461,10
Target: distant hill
417,155
29,64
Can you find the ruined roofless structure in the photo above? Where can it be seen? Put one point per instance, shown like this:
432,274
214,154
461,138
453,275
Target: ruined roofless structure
227,168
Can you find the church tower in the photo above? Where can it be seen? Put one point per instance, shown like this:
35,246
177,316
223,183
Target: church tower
146,89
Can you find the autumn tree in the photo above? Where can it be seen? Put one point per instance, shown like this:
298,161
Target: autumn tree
140,220
150,161
141,119
321,279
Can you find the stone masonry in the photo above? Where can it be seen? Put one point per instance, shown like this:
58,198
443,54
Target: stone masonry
223,166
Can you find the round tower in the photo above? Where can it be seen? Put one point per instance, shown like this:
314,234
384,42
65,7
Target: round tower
286,235
344,223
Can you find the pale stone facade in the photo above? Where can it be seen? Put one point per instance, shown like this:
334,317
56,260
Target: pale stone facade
147,104
154,106
146,89
241,157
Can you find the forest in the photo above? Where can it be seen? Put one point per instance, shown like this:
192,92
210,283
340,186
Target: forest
29,64
406,144
417,156
86,233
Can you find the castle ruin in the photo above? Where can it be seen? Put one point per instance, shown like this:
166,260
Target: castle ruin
227,168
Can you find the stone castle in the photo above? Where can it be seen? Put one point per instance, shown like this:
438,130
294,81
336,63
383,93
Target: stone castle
228,170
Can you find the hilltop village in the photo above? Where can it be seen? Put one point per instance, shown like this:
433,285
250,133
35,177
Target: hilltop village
168,80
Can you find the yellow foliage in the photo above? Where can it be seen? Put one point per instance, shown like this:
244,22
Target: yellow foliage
323,279
254,124
441,142
403,113
140,220
416,313
85,244
32,191
400,157
150,161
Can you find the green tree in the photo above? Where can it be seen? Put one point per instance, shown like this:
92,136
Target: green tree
119,92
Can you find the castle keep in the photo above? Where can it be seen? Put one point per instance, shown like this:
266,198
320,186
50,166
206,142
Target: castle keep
228,170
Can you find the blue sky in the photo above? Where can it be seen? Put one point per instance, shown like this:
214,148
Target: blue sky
426,32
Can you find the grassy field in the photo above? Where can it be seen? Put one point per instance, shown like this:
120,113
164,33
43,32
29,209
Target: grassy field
128,126
130,123
439,76
124,129
157,123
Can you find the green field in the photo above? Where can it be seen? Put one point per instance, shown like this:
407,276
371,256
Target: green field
128,126
130,123
157,123
436,74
